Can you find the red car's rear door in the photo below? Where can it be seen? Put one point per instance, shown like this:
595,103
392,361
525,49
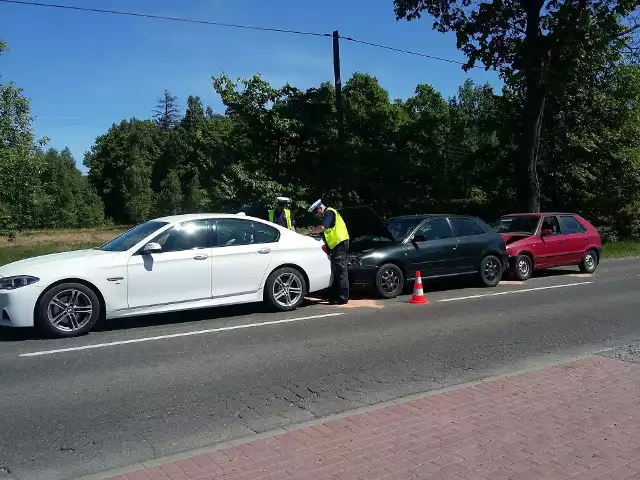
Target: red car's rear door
576,239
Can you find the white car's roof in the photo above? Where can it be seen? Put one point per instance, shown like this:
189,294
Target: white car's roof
196,216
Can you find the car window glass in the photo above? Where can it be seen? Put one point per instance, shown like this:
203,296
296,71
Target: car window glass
234,232
517,224
185,236
435,229
401,227
131,237
467,227
570,225
244,232
551,223
264,233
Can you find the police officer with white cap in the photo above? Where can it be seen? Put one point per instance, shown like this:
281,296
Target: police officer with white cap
336,237
282,214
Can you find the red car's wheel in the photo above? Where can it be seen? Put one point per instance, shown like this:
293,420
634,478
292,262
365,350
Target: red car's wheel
589,262
522,267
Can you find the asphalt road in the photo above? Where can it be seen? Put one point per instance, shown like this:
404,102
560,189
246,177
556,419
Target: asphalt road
159,385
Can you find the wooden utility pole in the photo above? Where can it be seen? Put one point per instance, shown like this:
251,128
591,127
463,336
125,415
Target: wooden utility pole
338,83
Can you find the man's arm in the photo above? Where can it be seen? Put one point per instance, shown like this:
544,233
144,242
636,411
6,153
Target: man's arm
328,221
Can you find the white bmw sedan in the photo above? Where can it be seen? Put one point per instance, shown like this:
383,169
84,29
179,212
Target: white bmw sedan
164,265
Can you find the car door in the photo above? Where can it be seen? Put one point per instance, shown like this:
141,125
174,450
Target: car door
242,254
551,249
181,272
576,240
473,241
433,250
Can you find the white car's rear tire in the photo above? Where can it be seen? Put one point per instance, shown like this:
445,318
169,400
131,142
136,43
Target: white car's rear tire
67,310
285,289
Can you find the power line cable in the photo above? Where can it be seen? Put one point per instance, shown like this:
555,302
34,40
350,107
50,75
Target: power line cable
394,49
162,17
229,25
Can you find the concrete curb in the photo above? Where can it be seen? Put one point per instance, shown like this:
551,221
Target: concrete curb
536,365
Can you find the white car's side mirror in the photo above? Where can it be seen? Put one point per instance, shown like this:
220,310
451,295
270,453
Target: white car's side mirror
151,247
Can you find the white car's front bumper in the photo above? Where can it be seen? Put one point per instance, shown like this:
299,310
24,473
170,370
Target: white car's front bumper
16,306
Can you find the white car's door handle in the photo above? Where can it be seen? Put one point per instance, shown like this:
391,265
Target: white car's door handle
264,250
201,257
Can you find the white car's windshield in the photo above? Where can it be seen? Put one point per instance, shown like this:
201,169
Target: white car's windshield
129,238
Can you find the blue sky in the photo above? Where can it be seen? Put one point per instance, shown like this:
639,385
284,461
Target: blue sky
84,71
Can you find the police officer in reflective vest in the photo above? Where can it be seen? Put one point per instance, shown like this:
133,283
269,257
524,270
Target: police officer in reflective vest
282,214
336,236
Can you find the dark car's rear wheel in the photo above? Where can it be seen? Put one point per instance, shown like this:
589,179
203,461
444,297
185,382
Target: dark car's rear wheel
389,281
522,267
490,271
589,262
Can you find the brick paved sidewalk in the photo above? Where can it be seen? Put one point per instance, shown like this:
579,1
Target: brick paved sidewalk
579,420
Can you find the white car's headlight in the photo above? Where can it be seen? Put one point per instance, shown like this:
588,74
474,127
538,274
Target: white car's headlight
11,283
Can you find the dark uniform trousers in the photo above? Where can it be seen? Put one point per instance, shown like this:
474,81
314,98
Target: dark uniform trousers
340,286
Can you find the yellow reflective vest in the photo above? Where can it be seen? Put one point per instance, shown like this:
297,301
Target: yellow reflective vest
336,234
287,216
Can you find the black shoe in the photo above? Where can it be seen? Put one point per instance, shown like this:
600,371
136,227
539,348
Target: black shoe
338,302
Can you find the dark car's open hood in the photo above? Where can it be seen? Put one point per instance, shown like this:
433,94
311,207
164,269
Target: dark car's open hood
363,221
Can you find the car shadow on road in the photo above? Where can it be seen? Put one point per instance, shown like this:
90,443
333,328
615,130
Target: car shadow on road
555,272
8,334
145,321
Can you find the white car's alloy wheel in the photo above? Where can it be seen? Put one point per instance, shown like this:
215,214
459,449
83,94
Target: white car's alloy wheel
287,289
70,310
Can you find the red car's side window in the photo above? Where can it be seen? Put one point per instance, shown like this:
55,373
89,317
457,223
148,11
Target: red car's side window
551,223
569,225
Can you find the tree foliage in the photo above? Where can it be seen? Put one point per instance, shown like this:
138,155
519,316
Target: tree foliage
167,111
38,188
540,48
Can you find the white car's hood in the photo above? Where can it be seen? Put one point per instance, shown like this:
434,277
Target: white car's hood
65,261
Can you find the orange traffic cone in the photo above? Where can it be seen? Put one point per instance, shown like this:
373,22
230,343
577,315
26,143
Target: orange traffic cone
418,297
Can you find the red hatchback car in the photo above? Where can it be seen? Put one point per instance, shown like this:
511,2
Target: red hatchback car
536,241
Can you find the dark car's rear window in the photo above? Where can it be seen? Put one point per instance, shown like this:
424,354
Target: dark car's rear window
466,227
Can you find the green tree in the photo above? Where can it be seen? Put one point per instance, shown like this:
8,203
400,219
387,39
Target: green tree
167,111
120,167
170,195
20,167
536,46
67,198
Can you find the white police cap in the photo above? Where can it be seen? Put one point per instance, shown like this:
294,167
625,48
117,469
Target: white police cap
315,206
283,199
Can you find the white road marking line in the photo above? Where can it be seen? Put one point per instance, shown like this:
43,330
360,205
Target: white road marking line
177,335
509,292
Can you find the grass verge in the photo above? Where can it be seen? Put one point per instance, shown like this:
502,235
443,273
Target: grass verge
621,250
42,242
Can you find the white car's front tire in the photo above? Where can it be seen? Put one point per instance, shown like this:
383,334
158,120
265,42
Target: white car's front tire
67,310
